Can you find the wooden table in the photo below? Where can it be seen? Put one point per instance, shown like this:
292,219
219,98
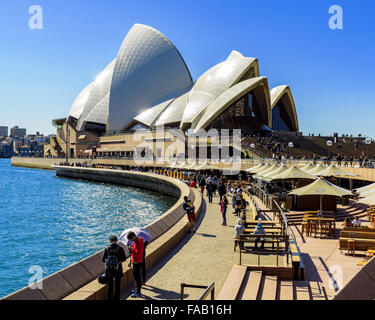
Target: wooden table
330,221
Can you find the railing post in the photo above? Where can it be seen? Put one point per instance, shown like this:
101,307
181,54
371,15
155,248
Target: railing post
213,293
182,291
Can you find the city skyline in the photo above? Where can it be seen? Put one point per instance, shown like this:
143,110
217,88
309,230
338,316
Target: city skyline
50,66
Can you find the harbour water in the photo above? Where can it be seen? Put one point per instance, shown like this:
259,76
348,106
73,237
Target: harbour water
53,222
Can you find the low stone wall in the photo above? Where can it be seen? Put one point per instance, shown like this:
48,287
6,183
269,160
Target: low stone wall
36,163
79,281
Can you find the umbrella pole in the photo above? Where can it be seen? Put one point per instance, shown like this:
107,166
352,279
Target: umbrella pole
321,204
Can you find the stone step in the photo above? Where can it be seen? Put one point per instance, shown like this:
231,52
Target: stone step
233,283
268,288
251,285
301,290
285,290
318,291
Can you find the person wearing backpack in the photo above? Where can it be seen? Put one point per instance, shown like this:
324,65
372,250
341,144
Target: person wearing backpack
113,257
189,208
136,249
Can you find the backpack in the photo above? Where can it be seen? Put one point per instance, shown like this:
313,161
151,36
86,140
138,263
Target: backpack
111,263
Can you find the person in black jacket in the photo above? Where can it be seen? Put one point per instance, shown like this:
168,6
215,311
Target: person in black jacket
114,273
222,190
209,188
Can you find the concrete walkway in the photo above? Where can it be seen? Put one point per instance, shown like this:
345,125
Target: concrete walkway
325,263
201,258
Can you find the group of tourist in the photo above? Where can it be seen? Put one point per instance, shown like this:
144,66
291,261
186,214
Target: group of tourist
114,256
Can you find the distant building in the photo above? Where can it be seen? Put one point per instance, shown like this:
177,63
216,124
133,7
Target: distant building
3,131
17,132
6,150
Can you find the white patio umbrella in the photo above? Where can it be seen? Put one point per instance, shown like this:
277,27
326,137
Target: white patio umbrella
321,187
333,171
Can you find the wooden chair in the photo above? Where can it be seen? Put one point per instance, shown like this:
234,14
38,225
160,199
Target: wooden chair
305,228
351,246
325,229
314,227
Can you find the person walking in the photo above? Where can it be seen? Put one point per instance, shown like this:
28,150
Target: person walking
113,257
209,188
136,250
222,189
234,196
202,185
238,201
143,265
189,208
223,209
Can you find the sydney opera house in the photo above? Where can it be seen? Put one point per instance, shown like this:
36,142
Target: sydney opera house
148,86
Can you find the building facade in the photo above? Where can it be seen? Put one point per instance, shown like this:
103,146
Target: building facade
148,86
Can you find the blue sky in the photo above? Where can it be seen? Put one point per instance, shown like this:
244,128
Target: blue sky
331,72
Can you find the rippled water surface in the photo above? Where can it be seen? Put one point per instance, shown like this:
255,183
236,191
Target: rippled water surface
53,222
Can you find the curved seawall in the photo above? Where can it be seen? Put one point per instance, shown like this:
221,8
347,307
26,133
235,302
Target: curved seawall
78,281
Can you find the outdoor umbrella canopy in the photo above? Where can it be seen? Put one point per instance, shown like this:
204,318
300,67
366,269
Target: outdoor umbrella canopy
367,193
260,170
370,201
145,234
254,169
308,167
366,188
182,165
293,173
270,175
333,171
321,187
264,172
173,165
191,166
316,169
205,166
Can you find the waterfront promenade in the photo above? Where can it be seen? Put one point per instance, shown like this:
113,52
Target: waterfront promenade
204,257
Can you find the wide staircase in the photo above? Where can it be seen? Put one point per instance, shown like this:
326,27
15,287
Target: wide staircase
355,209
243,283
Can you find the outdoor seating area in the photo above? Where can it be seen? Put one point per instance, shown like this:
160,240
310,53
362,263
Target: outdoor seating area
315,226
359,239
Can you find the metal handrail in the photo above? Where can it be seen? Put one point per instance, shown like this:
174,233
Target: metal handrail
209,290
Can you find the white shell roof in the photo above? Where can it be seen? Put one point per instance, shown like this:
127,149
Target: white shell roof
79,103
215,82
149,116
229,97
98,92
100,112
174,112
148,70
277,93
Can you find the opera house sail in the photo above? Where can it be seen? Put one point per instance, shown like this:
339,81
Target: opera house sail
148,86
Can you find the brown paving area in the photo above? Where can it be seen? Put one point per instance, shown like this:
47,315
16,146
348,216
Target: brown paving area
324,263
202,258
